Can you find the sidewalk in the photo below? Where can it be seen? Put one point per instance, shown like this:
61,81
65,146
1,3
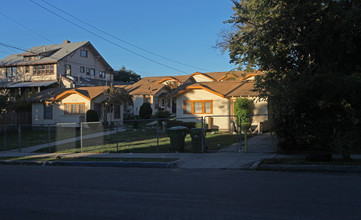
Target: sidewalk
260,147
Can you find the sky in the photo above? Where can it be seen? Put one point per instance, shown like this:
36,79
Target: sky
151,38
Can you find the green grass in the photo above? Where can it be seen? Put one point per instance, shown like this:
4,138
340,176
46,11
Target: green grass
89,159
139,142
294,161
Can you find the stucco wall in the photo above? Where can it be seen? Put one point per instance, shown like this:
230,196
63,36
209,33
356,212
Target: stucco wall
222,109
58,111
221,106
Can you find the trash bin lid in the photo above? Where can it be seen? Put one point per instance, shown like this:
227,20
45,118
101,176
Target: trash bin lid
177,128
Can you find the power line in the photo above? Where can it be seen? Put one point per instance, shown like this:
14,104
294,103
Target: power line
10,47
109,41
29,29
115,37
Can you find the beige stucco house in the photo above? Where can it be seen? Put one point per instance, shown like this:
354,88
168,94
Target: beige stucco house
214,100
59,105
68,64
154,90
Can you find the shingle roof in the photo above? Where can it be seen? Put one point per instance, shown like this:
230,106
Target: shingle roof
53,93
230,75
51,54
145,86
223,89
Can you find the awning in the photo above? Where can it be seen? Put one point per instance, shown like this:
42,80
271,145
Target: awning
31,84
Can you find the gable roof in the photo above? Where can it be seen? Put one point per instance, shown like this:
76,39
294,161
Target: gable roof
145,86
55,94
222,89
48,54
233,75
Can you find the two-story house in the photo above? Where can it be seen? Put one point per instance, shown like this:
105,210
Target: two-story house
68,64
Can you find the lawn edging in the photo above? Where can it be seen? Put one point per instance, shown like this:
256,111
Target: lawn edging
258,165
93,163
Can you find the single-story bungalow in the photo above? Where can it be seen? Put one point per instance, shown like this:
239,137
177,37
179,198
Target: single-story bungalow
214,100
61,105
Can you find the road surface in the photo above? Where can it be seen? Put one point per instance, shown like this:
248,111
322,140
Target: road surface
43,192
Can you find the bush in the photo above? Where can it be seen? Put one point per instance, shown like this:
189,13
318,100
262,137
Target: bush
145,110
92,116
163,114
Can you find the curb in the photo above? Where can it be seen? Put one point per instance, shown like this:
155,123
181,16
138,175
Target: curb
314,168
93,163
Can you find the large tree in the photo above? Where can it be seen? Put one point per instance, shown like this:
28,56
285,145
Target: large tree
124,75
311,53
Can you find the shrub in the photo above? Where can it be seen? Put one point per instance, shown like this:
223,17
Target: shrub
92,116
145,110
163,114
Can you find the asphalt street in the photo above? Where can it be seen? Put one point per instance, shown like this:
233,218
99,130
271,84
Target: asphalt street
45,192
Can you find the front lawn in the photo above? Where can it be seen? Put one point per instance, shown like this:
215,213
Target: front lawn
141,141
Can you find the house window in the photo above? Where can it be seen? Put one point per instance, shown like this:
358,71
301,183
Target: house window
87,71
48,111
102,74
84,53
68,69
11,71
92,72
82,69
198,107
43,69
116,111
27,69
74,108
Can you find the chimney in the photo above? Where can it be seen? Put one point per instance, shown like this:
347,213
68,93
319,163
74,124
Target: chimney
66,41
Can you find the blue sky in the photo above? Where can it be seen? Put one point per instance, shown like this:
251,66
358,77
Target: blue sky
185,31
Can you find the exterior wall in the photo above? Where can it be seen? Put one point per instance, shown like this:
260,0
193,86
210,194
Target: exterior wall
201,78
138,100
220,107
76,61
58,111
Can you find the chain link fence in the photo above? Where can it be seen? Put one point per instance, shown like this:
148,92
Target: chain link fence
130,136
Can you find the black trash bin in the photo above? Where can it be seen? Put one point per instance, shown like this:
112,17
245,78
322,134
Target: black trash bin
177,135
196,135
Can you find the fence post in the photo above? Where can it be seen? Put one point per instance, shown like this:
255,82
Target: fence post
116,136
203,136
157,135
49,139
5,140
19,137
81,137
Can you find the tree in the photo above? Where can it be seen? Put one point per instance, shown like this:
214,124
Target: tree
124,75
115,96
145,110
311,52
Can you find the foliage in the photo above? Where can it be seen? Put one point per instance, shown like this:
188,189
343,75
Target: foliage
310,50
124,75
115,96
243,109
145,110
163,114
92,116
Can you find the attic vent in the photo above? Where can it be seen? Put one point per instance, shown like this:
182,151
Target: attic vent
66,41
